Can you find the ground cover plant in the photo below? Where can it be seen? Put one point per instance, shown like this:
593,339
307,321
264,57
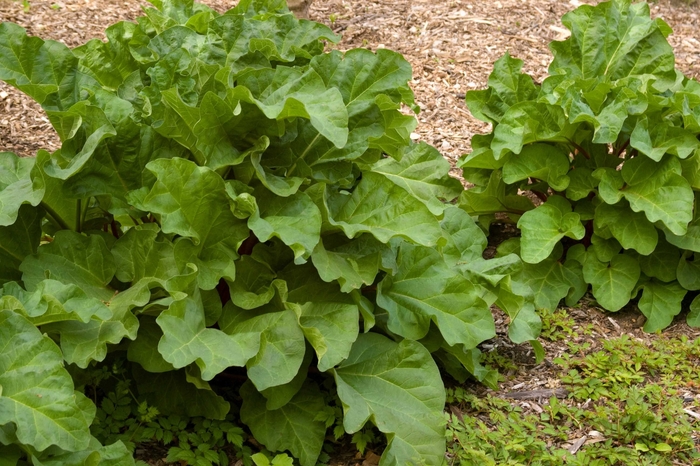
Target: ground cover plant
624,403
231,206
608,147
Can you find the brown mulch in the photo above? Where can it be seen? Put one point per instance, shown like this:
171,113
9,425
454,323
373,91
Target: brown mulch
451,44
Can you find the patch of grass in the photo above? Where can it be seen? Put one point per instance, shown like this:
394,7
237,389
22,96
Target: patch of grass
626,403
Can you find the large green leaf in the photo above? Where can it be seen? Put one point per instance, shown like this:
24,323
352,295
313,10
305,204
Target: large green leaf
541,161
528,122
660,303
45,70
53,301
292,427
507,87
193,203
328,317
663,138
282,344
186,340
659,190
143,254
144,350
380,207
37,392
631,229
614,39
398,387
614,282
551,281
663,263
289,93
294,219
116,454
255,284
110,62
465,240
72,258
426,290
543,227
353,263
688,272
16,187
493,198
423,173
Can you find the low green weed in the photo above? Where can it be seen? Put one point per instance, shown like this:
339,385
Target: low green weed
629,392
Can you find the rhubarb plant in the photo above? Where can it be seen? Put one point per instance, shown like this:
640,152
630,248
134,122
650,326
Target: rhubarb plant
608,149
230,200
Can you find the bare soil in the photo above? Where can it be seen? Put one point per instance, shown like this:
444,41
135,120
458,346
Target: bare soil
452,45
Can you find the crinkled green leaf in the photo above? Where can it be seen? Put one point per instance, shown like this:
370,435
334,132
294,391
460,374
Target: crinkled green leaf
493,198
53,301
663,138
551,281
658,190
141,254
193,203
614,282
423,173
528,122
660,303
186,340
507,87
282,346
116,454
278,38
540,161
426,290
72,258
465,240
361,76
353,263
328,317
543,227
16,187
398,387
385,210
37,392
525,325
45,70
504,279
631,229
255,284
292,427
280,395
614,39
289,93
110,62
88,127
295,220
581,183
